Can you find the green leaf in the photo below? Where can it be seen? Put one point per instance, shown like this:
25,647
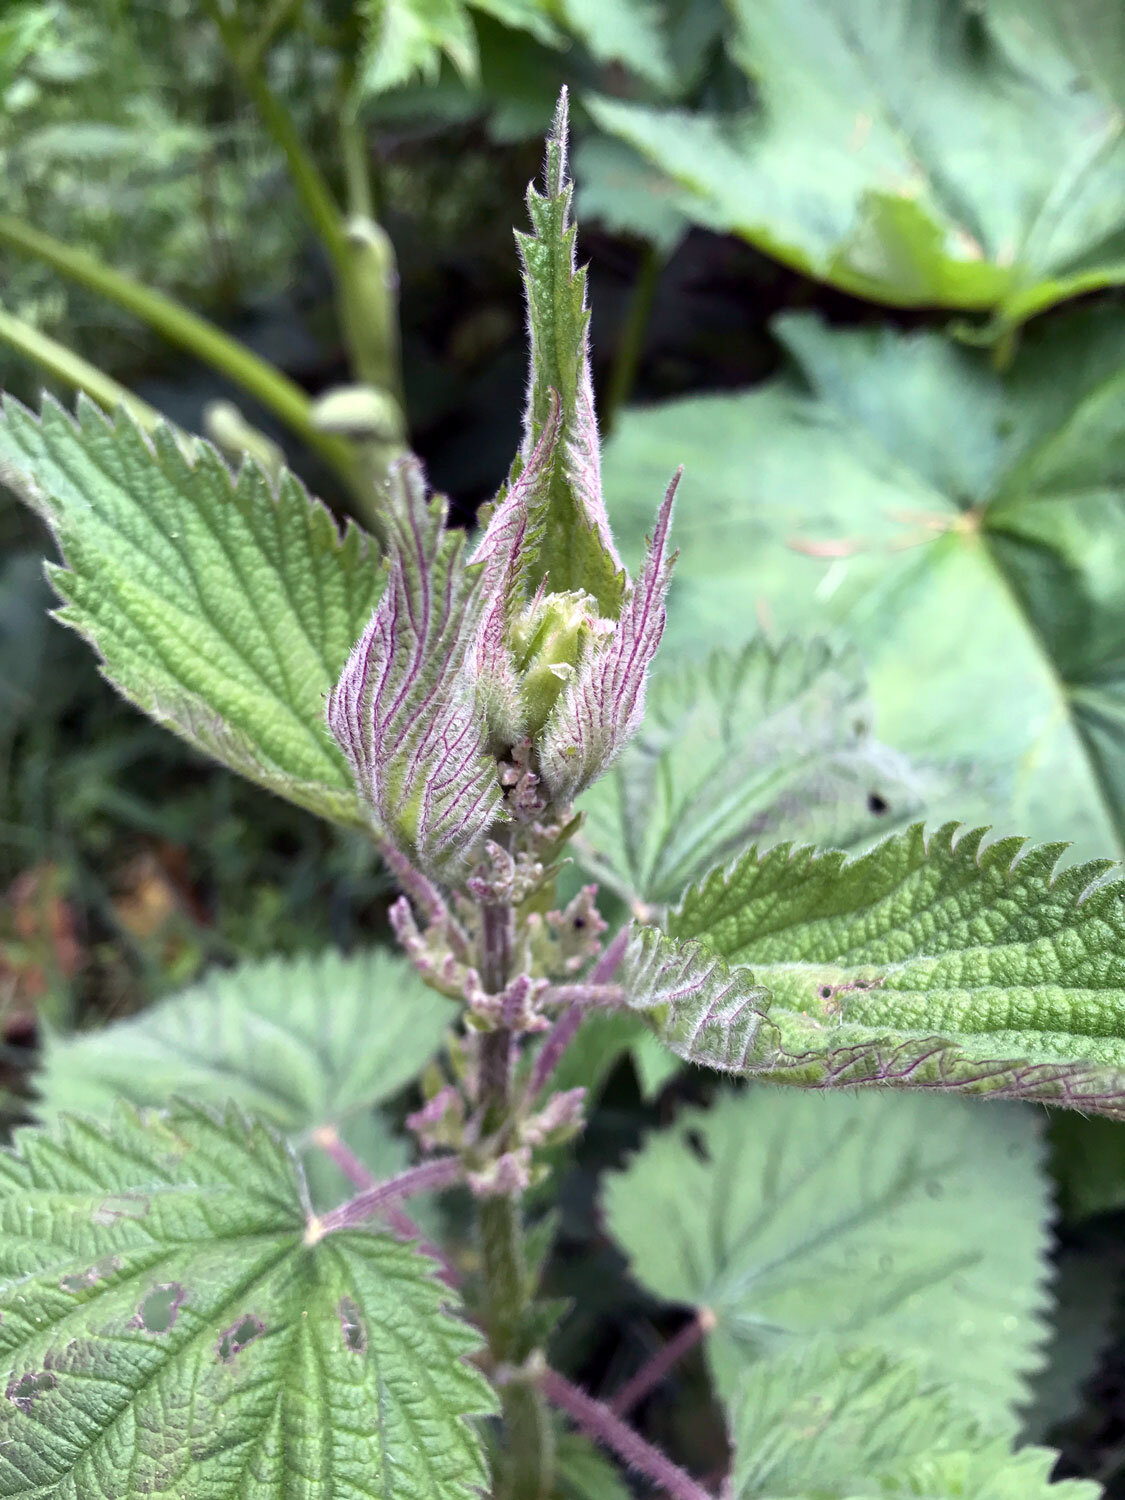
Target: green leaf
915,1223
576,550
624,193
221,608
584,1472
934,963
837,1421
629,32
302,1043
860,1422
764,743
979,577
406,39
869,159
699,1006
173,1324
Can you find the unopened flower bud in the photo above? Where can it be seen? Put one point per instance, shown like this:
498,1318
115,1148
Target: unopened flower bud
547,641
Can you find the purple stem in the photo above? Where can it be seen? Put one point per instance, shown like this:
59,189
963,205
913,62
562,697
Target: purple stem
653,1371
588,996
563,1032
442,1172
362,1176
424,894
597,1421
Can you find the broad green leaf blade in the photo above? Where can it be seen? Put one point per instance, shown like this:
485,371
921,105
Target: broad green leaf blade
576,549
628,32
980,578
929,963
220,608
760,744
840,1421
301,1043
848,1423
868,160
171,1326
915,1223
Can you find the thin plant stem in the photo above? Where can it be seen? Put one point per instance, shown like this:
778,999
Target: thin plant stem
191,332
527,1462
630,346
67,366
328,1139
654,1371
597,1421
566,1027
312,190
442,1172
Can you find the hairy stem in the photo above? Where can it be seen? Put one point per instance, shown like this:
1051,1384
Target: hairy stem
654,1371
328,1139
599,1422
566,1027
191,332
442,1172
527,1465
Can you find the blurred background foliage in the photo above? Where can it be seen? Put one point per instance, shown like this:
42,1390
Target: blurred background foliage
855,263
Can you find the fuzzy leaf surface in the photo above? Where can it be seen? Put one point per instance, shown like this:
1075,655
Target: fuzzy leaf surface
405,710
301,1043
754,745
169,1330
848,1423
868,161
576,549
222,609
700,1007
979,578
930,962
915,1223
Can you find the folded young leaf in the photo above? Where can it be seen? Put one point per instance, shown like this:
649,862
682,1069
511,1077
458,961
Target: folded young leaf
300,1043
173,1324
406,711
223,609
846,1423
920,1224
847,170
930,963
765,743
577,550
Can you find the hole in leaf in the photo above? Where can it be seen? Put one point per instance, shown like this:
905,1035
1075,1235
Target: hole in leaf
355,1335
825,991
81,1281
160,1308
877,804
244,1332
24,1389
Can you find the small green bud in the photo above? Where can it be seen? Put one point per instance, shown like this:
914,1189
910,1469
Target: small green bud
548,640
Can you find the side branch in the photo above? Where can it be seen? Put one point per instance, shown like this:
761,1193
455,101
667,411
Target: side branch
601,1424
442,1172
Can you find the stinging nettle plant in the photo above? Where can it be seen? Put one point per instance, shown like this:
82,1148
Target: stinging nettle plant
193,1305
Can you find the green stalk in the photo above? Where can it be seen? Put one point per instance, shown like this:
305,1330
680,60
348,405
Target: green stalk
623,375
526,1466
191,332
72,369
313,192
